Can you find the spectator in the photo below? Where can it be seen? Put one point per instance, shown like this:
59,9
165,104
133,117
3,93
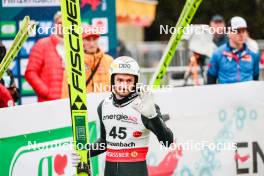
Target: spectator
8,81
6,99
97,65
218,24
234,62
46,64
197,61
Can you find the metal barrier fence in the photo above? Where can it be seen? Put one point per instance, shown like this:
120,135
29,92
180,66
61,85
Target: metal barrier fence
148,55
147,73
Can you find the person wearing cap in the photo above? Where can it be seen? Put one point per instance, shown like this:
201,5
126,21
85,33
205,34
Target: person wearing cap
97,63
234,62
46,64
217,23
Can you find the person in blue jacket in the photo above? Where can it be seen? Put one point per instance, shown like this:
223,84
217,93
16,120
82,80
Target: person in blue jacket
234,62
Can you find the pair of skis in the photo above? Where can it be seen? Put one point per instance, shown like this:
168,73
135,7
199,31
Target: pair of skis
76,72
71,22
21,37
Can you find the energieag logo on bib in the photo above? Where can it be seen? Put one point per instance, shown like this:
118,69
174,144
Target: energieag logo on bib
122,117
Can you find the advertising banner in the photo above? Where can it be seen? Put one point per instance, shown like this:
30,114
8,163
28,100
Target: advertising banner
218,131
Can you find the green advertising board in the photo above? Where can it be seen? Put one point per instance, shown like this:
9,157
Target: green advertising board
45,153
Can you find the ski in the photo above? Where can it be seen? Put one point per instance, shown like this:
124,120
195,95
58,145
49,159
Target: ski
185,19
71,23
20,38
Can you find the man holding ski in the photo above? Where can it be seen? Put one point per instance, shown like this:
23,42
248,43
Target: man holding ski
126,119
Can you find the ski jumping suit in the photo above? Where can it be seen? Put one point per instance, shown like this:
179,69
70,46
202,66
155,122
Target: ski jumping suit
125,133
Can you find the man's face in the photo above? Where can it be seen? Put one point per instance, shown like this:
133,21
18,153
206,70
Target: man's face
124,84
219,27
238,36
90,45
58,26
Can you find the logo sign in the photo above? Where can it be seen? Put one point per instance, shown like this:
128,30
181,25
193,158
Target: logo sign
42,159
249,158
8,29
101,23
124,66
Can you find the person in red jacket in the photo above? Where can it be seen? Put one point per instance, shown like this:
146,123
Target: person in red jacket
46,64
6,99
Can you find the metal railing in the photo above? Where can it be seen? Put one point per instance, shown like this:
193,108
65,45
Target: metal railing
147,73
148,55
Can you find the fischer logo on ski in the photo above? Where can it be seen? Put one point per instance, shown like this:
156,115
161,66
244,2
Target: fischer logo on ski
71,21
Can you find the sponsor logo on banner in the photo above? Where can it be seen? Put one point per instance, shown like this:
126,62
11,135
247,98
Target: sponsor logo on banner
8,29
30,3
26,48
101,23
249,158
41,159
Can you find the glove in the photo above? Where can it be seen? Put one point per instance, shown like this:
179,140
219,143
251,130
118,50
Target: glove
76,158
144,104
